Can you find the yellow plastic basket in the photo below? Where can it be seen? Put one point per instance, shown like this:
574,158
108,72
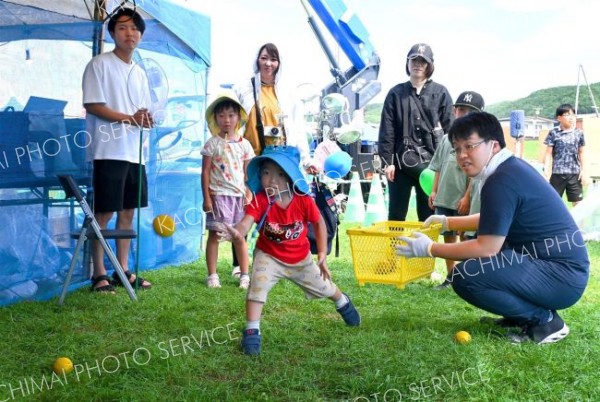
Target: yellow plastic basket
374,253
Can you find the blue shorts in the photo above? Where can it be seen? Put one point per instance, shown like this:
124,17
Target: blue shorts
447,212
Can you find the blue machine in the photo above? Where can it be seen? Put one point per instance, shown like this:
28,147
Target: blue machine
358,84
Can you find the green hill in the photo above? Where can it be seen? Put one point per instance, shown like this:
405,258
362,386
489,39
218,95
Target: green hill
544,100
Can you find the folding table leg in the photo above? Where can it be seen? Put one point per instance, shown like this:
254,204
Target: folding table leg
80,244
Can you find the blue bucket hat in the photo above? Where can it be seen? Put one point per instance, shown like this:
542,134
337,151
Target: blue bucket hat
288,159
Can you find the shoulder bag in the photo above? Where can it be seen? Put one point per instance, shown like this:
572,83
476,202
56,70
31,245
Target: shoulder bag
260,128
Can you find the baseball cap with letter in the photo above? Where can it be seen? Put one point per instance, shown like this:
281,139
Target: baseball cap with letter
421,50
470,99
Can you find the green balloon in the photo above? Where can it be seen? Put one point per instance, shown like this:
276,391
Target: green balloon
426,180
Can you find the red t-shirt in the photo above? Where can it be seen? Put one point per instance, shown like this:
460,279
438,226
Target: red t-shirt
284,232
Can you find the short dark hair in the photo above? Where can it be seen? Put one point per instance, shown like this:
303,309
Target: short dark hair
226,104
131,13
271,51
428,70
564,108
484,124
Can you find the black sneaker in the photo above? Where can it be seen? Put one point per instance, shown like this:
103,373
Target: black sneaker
503,322
548,332
444,285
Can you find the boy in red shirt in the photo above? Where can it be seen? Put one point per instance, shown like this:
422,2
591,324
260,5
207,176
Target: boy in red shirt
282,210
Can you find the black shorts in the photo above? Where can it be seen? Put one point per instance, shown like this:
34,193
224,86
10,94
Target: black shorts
569,182
116,186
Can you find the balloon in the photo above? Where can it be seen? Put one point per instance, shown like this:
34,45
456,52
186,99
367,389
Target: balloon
426,180
337,165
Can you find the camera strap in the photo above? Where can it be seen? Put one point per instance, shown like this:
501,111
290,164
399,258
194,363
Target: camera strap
260,128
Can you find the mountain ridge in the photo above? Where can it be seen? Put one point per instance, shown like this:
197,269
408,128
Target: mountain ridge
542,102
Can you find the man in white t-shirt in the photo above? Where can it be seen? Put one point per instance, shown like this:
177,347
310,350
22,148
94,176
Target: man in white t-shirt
116,97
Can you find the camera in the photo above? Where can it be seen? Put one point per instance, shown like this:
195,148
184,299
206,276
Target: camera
272,131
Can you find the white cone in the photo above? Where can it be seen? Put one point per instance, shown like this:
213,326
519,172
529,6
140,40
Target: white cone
355,207
376,210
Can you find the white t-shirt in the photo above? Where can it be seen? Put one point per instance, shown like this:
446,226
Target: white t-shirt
120,86
226,174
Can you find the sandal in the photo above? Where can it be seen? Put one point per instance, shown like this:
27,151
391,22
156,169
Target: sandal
106,288
141,282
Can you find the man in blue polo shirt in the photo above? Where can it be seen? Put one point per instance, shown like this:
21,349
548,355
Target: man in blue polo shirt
529,258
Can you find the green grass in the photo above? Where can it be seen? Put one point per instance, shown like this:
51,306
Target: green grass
531,149
404,345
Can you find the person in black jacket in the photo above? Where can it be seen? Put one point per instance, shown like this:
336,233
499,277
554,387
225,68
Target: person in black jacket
415,116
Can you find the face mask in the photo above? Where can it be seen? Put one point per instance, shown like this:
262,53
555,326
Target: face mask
492,164
484,173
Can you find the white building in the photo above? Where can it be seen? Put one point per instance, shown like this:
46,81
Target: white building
534,126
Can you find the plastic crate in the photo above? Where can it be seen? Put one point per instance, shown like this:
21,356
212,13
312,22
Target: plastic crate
374,253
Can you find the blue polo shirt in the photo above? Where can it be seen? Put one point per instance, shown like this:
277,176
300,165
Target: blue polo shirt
516,202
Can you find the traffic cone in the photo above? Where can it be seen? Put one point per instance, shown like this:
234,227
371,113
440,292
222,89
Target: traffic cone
355,207
376,210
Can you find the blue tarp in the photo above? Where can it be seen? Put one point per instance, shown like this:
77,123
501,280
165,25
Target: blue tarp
46,46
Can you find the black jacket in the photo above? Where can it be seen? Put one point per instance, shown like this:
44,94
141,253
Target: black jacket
437,105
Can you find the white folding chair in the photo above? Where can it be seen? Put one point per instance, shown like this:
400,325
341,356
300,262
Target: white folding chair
90,230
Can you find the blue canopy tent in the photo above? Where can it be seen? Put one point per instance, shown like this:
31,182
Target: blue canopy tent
45,46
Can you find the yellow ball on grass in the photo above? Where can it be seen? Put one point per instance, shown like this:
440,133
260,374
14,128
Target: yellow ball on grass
62,364
462,337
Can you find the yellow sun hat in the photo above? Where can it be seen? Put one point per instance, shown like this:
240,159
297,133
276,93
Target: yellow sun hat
211,119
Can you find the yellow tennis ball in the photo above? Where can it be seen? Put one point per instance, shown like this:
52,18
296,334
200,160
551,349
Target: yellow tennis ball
164,225
462,337
62,364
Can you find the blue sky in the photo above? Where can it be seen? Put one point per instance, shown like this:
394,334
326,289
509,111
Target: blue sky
502,49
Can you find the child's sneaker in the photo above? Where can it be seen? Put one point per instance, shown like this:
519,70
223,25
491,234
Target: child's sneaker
349,313
251,342
213,281
236,272
244,281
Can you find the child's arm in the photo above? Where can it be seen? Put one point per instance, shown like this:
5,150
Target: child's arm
582,170
243,226
207,200
464,204
321,239
548,162
248,194
235,233
434,189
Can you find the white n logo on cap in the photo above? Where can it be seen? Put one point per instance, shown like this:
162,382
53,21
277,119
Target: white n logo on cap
468,98
422,48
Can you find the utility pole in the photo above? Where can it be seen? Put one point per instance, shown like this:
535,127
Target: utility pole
579,74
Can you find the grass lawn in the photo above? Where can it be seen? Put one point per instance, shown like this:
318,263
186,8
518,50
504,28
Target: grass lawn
180,342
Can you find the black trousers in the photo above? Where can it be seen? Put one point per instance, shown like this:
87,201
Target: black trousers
399,197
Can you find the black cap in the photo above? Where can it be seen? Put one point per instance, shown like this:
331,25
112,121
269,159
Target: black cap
470,99
421,50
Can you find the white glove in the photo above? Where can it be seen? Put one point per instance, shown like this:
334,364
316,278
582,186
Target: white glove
433,219
417,246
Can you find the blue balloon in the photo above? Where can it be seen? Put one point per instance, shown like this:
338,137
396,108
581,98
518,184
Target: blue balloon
337,165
